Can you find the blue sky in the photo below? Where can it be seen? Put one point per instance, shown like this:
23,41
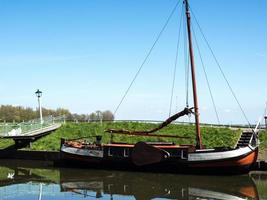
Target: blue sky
83,55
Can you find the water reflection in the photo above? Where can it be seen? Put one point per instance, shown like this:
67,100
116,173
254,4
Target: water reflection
149,186
38,183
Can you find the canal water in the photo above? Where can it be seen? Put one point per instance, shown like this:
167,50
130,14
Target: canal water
29,181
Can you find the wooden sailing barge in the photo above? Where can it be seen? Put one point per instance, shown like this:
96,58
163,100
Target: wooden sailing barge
165,157
162,156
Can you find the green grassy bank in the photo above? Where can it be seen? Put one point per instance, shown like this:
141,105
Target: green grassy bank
212,137
263,146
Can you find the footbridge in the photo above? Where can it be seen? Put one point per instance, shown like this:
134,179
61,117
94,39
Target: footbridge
32,130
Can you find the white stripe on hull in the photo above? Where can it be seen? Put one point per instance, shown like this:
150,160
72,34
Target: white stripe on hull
209,156
92,185
83,152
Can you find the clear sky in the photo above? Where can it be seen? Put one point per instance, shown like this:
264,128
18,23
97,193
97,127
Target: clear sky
83,55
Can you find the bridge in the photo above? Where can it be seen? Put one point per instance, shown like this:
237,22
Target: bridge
26,132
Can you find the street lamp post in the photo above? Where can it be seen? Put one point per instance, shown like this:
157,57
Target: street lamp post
39,94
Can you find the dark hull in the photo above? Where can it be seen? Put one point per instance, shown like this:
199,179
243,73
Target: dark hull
236,165
166,167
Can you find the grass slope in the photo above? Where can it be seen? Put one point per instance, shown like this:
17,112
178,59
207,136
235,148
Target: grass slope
263,146
263,139
212,137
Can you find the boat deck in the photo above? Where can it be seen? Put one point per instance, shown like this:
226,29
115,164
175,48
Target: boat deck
158,145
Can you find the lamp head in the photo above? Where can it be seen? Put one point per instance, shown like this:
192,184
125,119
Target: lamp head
38,93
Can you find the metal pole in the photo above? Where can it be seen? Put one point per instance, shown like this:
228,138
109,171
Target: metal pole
40,110
39,94
198,135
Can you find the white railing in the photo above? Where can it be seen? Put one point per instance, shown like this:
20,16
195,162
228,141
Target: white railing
12,129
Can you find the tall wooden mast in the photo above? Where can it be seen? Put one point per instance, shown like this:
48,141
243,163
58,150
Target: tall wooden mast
198,135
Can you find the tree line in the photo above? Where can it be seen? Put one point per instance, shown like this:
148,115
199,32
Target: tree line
9,113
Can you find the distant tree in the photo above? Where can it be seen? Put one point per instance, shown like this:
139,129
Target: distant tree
99,115
46,112
62,111
75,117
92,117
83,117
11,113
108,115
28,114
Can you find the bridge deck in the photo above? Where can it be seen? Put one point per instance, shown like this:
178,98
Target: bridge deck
31,130
33,134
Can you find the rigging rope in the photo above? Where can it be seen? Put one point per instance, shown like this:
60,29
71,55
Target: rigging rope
147,56
175,64
206,77
220,68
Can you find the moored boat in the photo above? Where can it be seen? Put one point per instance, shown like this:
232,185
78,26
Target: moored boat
165,156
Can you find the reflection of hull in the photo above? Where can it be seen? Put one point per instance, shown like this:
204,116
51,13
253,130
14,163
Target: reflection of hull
140,185
171,158
199,193
148,186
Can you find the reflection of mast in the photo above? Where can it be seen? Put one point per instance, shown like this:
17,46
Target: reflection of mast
198,136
